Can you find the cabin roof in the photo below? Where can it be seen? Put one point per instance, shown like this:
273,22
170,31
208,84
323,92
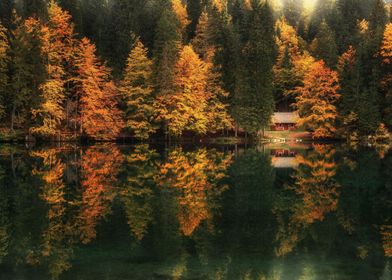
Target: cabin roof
285,117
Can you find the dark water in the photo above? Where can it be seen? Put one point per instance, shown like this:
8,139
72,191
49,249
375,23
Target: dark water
138,212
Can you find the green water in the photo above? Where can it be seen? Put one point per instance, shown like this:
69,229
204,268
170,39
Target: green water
223,212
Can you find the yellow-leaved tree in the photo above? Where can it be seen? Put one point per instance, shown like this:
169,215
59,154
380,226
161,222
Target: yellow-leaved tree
136,90
316,100
386,82
181,13
185,108
194,104
57,46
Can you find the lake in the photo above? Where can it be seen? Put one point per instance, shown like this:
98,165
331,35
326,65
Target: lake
195,212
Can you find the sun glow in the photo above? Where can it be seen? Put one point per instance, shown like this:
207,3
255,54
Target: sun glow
309,4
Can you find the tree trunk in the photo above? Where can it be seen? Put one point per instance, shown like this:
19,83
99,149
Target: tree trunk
13,117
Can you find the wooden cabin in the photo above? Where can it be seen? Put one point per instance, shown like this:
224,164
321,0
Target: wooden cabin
284,121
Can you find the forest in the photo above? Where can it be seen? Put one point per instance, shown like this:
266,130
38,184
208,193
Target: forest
167,68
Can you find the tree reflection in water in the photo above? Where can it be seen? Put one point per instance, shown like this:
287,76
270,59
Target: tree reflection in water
208,213
99,170
195,177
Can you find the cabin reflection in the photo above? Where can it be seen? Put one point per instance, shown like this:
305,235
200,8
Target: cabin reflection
285,156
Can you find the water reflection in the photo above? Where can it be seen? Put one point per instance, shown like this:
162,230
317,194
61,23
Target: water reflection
140,212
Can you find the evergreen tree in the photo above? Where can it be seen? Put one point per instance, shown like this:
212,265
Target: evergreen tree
26,67
202,42
4,59
6,8
137,91
35,8
194,8
368,71
225,38
292,11
255,102
287,75
217,110
349,90
349,12
99,115
378,16
217,105
369,116
324,46
166,48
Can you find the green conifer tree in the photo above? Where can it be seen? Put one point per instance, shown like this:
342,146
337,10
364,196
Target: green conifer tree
255,98
324,45
27,70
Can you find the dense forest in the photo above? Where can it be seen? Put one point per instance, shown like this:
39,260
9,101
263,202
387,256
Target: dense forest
102,68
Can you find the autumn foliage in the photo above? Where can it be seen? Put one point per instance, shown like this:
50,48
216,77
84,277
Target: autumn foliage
99,116
316,100
100,166
57,42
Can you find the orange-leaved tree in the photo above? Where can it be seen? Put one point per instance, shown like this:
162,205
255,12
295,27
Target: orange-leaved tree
316,100
99,169
99,116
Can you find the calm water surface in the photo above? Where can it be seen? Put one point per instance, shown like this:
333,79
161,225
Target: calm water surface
140,212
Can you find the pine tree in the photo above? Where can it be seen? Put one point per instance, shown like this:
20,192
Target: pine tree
57,49
324,46
194,9
6,8
286,74
316,101
378,17
167,45
122,19
349,12
292,10
99,115
217,104
217,110
27,71
225,38
4,60
34,8
202,43
137,91
368,76
166,49
349,104
255,102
